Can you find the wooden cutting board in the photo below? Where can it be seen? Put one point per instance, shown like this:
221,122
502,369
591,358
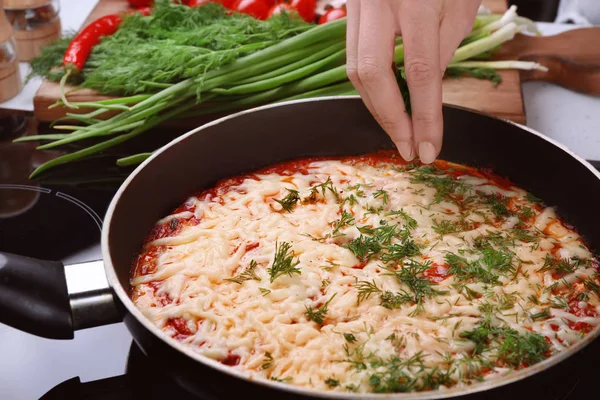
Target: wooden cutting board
505,100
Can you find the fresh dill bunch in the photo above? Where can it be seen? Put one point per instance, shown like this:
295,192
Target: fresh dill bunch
289,202
283,263
319,314
176,42
246,275
49,63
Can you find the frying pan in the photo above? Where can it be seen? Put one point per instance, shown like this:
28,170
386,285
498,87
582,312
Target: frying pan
49,299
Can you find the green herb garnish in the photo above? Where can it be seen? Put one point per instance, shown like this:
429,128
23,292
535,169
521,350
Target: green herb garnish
283,263
345,220
381,194
289,202
332,382
247,275
267,361
319,314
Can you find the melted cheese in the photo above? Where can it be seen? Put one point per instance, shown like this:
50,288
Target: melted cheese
262,326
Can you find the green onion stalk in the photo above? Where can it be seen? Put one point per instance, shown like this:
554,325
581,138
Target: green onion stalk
308,64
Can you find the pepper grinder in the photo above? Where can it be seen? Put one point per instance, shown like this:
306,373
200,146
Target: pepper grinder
10,76
35,23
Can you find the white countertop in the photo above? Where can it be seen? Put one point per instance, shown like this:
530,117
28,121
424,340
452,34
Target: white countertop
30,366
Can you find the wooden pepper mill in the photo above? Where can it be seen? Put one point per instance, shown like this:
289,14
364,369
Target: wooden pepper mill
10,76
35,24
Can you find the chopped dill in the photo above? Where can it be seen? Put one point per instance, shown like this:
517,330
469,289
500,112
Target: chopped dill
267,361
398,251
246,275
498,205
264,291
445,227
365,290
562,266
381,194
523,235
332,382
289,202
392,300
350,338
527,349
283,262
446,186
465,270
319,314
409,222
364,247
532,199
351,200
323,188
345,220
542,315
410,274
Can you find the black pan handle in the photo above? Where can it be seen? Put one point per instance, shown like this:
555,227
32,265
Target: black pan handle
48,299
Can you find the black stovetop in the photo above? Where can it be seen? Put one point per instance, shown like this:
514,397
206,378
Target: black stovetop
60,218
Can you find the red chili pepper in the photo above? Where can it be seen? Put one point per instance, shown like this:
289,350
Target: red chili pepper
81,46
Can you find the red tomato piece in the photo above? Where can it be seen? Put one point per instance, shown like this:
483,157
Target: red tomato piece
140,3
306,9
255,8
332,14
279,8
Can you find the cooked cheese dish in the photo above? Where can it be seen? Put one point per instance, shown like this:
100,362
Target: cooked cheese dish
365,274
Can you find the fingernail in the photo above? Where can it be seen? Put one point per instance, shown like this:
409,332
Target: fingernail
406,150
426,152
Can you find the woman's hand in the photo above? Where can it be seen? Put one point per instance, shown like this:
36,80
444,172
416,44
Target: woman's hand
432,31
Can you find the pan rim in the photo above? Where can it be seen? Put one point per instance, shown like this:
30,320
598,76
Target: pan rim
125,300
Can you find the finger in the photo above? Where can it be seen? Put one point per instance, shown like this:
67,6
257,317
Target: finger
352,35
421,32
375,58
457,23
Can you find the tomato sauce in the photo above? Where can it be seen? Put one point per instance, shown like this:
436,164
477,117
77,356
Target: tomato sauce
252,245
360,266
232,360
437,273
180,327
145,263
162,298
